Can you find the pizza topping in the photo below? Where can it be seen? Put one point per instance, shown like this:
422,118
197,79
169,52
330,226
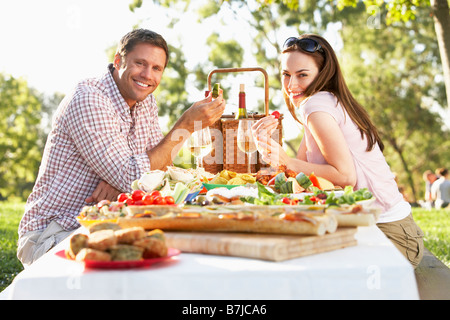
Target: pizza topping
189,215
355,208
146,214
227,216
249,216
297,216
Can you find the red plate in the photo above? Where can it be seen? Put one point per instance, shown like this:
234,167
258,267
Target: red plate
123,264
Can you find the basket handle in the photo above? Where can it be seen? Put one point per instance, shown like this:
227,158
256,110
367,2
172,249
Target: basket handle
266,81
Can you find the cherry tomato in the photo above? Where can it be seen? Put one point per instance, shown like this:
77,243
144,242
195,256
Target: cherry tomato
276,114
148,199
122,197
286,200
155,193
159,200
137,195
169,200
129,201
138,203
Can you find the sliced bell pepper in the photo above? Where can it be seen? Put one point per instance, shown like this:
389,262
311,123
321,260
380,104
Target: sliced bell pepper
314,180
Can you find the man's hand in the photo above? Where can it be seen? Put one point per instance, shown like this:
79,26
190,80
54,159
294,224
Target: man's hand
201,114
104,191
206,112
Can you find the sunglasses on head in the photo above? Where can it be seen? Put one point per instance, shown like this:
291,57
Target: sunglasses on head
306,44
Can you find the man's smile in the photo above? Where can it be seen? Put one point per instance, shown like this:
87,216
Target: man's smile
141,84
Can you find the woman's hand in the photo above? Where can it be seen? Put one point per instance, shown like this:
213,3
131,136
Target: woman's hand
265,127
272,153
270,150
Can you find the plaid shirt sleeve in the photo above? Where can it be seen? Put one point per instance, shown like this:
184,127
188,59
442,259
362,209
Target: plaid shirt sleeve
106,140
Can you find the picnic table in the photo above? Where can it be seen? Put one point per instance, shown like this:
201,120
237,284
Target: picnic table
373,269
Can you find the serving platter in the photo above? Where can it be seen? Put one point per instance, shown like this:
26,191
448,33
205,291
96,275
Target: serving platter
127,264
88,222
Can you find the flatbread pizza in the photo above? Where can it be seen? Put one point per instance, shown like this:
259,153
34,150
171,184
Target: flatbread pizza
249,219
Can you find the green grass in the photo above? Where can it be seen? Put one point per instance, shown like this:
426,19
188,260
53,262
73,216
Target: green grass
10,266
436,226
434,223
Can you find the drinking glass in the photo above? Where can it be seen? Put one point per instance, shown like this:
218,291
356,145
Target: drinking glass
199,144
245,140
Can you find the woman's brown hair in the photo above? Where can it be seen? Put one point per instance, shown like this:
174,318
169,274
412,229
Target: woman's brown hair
331,79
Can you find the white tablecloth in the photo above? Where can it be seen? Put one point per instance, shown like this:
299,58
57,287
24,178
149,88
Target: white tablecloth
374,269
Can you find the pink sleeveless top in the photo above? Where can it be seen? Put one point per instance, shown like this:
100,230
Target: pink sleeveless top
372,170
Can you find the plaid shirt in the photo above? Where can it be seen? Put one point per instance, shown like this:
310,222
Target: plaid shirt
94,137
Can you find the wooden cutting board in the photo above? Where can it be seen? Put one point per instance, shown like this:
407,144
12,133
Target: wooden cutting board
260,246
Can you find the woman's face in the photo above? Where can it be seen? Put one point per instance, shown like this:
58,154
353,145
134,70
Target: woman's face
298,71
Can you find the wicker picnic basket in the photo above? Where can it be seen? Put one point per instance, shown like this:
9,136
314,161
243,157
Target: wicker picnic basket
225,154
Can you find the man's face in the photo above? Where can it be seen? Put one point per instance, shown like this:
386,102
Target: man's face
140,72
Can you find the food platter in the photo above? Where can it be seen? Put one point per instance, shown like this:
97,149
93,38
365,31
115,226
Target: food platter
271,208
283,206
127,264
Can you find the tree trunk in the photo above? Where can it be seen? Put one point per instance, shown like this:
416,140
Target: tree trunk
408,172
441,16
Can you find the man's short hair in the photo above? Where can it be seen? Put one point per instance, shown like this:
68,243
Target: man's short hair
132,38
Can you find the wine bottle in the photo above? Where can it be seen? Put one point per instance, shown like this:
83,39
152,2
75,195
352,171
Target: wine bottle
242,112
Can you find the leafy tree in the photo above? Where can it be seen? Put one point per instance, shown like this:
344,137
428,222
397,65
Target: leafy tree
24,127
406,11
20,136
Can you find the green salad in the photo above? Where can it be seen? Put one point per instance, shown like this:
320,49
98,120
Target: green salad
349,197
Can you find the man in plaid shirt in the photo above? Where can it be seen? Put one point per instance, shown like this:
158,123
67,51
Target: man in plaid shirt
105,135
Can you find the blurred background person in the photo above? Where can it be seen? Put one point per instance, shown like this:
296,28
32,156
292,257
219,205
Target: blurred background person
429,177
440,190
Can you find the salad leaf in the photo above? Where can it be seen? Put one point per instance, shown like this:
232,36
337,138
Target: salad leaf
265,197
263,191
349,196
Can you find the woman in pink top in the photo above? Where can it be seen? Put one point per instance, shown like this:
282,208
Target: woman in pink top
340,142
